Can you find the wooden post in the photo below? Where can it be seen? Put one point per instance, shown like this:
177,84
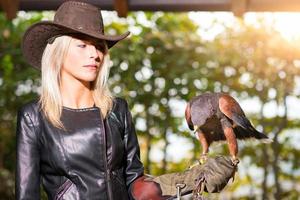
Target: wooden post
121,6
10,7
239,7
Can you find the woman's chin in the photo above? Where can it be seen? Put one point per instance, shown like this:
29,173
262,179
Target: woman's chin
87,79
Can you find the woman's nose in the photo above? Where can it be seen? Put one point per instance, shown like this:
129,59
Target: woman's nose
93,51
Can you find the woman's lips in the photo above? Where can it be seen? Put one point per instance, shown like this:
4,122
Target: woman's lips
92,67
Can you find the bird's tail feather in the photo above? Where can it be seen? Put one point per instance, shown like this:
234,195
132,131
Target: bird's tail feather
241,121
267,140
247,130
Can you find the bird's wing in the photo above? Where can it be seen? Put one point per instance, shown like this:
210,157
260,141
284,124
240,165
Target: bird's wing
231,109
229,106
188,116
201,110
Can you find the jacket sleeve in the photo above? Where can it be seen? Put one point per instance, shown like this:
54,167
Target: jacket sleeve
27,159
134,167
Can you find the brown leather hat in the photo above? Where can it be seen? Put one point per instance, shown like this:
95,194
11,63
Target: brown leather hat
72,17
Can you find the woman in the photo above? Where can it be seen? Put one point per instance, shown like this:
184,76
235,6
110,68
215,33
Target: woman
77,140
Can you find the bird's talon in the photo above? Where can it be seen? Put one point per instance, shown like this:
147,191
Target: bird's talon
235,161
203,159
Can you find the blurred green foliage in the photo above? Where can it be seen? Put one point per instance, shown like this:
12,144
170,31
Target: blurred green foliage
166,61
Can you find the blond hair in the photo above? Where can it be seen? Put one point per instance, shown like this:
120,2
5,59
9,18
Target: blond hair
51,99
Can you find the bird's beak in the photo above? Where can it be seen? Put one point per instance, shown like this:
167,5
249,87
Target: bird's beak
196,129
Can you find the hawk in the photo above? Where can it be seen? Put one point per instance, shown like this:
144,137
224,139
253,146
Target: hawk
218,117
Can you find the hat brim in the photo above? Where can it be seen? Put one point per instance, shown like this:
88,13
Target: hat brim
35,39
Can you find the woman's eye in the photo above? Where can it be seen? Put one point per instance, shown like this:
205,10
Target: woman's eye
81,45
100,47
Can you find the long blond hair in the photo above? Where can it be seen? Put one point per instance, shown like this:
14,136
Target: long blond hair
51,99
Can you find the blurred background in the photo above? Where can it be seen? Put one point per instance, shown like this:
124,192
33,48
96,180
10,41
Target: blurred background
170,57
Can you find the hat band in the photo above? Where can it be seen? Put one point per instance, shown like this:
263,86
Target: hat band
51,40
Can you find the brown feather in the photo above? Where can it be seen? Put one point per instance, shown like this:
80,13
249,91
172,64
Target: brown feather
188,116
229,106
232,142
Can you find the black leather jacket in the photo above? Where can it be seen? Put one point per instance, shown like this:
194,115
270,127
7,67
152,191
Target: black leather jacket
93,159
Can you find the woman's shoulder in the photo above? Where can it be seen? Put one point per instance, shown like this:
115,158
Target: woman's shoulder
119,105
120,101
30,109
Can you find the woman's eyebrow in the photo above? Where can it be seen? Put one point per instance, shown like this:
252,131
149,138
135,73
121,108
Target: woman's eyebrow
93,42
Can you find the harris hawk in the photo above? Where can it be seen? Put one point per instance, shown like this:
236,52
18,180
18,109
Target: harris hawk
218,117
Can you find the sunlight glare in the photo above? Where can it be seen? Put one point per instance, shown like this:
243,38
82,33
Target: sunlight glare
284,22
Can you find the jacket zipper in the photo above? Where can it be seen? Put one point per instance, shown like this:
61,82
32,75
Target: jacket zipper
62,190
107,171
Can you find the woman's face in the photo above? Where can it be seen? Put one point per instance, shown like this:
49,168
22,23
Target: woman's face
83,60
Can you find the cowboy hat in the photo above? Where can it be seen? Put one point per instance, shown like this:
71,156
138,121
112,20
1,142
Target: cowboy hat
72,17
